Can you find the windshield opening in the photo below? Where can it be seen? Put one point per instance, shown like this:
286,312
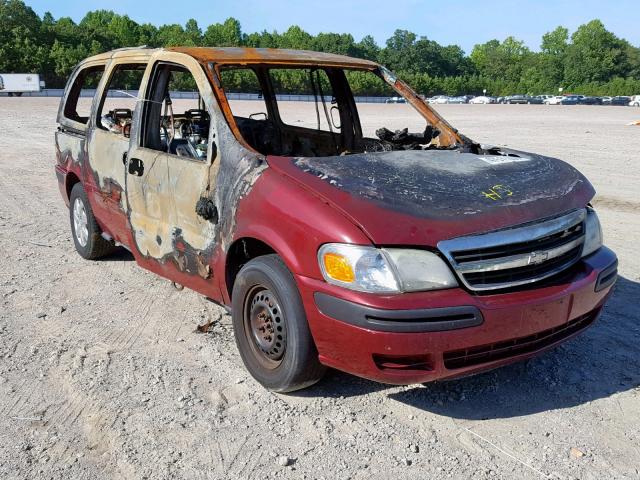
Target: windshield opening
317,111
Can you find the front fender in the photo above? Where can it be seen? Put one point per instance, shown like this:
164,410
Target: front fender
293,222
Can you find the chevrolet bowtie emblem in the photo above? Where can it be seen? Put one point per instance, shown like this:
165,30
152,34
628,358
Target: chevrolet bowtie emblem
537,257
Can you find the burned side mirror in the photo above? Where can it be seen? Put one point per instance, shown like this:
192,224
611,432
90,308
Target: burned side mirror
206,209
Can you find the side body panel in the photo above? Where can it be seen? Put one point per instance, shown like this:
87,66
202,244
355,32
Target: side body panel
105,178
71,140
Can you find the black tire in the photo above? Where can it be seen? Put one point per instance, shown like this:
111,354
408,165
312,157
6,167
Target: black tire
96,246
288,359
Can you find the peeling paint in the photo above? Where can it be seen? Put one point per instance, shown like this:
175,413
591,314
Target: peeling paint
446,183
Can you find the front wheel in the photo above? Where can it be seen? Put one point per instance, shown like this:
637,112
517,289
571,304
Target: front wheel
270,327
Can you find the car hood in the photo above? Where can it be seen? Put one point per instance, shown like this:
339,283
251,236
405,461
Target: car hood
420,197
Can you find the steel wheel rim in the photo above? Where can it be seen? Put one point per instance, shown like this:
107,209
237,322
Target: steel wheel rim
265,327
80,224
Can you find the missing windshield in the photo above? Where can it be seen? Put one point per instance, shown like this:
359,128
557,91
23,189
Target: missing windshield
316,111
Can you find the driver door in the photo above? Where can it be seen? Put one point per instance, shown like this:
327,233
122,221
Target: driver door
169,170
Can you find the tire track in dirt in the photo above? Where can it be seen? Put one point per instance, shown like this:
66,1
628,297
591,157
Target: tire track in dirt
614,203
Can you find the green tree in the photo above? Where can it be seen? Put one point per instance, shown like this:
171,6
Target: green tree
342,44
367,48
22,46
193,32
295,38
595,55
507,59
227,34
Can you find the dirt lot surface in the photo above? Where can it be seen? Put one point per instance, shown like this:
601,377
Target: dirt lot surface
102,375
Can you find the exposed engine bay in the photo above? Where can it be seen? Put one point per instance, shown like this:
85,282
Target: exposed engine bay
401,140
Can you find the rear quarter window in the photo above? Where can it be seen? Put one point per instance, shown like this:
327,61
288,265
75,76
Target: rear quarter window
77,106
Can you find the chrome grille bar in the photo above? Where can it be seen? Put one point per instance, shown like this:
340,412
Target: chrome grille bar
517,256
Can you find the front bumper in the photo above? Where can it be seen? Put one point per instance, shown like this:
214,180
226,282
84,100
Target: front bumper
425,336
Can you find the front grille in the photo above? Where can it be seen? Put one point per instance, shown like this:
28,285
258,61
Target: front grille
518,346
518,256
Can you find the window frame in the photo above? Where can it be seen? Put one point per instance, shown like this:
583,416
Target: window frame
111,70
265,88
152,69
329,73
70,92
261,70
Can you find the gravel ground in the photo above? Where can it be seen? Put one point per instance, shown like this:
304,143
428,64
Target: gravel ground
103,376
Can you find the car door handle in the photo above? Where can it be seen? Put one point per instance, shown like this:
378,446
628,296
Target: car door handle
136,167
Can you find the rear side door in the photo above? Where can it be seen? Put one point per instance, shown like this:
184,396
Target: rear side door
170,173
73,122
108,142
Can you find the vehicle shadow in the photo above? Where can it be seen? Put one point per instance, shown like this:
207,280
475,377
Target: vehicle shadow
120,254
600,362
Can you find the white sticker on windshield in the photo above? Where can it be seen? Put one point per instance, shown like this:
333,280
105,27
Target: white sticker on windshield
500,159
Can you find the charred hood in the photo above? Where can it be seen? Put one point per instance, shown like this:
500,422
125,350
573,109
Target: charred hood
422,196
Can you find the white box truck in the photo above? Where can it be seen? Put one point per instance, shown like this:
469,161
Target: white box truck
15,84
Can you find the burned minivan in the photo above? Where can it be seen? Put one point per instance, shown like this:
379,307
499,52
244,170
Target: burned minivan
334,236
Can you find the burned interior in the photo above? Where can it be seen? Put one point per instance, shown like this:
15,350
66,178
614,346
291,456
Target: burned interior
180,133
272,128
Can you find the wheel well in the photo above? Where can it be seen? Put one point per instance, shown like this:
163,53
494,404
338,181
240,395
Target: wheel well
243,250
71,180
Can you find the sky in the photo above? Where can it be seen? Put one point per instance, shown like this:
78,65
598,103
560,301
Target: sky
460,22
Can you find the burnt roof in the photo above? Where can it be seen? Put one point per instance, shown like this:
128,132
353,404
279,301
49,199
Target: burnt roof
269,55
242,56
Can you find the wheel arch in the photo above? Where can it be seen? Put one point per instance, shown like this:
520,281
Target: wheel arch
70,180
241,251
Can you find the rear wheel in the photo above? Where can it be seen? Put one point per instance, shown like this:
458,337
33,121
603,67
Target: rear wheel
87,236
270,327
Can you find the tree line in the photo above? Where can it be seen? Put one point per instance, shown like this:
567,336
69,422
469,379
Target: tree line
590,60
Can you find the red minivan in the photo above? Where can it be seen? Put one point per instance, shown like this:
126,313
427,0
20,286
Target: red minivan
335,234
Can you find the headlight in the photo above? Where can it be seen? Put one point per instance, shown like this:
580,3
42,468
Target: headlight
592,233
386,270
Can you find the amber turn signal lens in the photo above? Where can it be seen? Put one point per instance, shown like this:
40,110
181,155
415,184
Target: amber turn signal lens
338,267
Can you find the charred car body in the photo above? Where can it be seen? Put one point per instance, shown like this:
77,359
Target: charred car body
400,257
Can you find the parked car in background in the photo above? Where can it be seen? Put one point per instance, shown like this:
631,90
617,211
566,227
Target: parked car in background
457,100
635,101
620,100
536,100
590,100
516,99
395,100
569,100
606,100
482,99
439,99
554,100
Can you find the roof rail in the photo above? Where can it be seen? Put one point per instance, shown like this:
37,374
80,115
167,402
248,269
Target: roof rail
124,49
